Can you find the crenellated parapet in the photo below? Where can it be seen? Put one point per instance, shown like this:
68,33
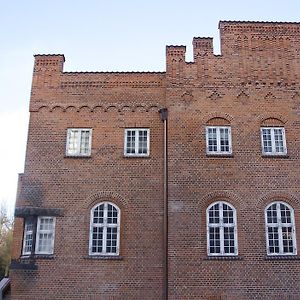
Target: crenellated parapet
250,52
53,88
202,46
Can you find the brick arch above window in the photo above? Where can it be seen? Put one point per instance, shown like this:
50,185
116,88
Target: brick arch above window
216,196
269,197
278,118
272,122
218,121
102,196
218,116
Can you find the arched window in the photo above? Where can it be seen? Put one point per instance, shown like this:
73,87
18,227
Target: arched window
221,229
104,229
280,229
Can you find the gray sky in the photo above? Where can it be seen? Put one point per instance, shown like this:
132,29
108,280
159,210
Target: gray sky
97,35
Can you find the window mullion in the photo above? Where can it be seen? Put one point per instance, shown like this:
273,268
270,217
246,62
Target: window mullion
105,211
148,141
218,139
221,228
273,140
222,240
79,142
35,233
280,237
207,233
136,146
229,140
104,240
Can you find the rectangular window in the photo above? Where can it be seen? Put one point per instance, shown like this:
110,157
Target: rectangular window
137,142
218,140
28,237
79,141
43,229
273,141
45,235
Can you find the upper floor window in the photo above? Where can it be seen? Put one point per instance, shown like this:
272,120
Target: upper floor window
104,229
221,229
137,142
79,142
39,235
218,140
280,229
273,141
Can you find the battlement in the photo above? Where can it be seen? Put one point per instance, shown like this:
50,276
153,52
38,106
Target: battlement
251,51
261,37
49,62
202,46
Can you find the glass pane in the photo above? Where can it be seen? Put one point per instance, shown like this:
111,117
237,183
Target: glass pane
287,240
212,139
130,141
111,240
273,239
224,140
85,142
227,214
45,242
214,214
98,214
229,240
46,224
278,137
97,240
112,215
272,214
143,135
285,214
73,141
214,240
267,140
28,236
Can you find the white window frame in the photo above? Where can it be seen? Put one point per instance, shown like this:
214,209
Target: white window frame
279,225
221,225
36,231
78,153
219,152
26,233
273,146
44,231
137,130
105,225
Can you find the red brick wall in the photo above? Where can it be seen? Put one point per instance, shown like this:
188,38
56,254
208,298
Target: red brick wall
255,78
243,87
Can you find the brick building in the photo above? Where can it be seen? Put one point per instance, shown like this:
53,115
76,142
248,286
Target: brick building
181,184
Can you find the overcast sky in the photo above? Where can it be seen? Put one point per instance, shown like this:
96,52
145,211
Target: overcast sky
111,35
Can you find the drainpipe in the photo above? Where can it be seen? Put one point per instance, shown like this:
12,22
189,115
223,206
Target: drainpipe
164,117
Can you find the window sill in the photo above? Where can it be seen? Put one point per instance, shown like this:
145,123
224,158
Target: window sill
224,257
104,257
136,156
37,256
78,156
275,156
221,155
282,257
